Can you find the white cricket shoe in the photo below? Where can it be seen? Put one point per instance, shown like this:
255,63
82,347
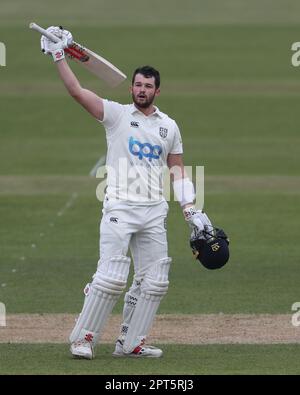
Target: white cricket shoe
82,349
140,351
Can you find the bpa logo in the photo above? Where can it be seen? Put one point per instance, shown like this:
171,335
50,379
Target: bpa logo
145,150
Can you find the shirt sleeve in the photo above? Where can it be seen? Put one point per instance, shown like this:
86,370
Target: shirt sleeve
113,112
177,141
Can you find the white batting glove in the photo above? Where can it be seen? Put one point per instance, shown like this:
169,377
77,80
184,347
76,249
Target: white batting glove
198,221
56,49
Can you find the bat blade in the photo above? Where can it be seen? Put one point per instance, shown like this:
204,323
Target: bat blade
93,62
97,65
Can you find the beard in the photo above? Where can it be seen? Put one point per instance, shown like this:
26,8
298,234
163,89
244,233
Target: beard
143,102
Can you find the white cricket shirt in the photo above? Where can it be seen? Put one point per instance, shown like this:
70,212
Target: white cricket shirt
137,151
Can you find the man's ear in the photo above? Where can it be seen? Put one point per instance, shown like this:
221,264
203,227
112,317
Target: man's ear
157,92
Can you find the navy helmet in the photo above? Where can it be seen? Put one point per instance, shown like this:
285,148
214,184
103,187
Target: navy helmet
213,250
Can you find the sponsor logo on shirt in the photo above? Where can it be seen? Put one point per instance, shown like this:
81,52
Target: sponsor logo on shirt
144,150
134,124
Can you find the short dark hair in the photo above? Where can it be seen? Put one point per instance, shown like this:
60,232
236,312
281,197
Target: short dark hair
148,72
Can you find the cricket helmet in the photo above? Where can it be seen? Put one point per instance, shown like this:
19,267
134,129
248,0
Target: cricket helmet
211,248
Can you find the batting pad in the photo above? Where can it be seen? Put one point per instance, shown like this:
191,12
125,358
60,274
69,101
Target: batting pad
108,283
130,301
153,288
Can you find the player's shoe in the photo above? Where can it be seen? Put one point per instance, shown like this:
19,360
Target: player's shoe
82,349
140,351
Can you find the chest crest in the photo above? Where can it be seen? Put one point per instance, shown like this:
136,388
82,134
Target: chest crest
163,132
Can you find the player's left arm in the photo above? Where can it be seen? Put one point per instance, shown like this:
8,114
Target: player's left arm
178,173
183,187
185,192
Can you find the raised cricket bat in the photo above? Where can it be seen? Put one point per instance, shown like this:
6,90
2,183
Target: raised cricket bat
94,63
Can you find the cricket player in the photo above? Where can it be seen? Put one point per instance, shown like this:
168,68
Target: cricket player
141,140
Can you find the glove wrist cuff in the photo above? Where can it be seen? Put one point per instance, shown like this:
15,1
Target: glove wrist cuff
57,55
189,212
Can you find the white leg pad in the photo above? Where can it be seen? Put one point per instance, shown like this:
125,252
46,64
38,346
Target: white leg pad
130,301
108,283
153,288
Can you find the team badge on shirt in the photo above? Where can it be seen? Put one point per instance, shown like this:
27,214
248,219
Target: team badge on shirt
163,132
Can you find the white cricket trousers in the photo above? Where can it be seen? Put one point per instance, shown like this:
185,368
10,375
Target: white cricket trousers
142,229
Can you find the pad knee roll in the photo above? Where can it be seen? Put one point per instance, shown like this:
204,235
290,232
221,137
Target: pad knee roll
111,275
156,281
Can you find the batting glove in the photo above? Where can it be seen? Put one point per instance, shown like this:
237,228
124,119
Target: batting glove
198,221
56,49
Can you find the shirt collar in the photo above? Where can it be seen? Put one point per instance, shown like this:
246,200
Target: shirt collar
156,113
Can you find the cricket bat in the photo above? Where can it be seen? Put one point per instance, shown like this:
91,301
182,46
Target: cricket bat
93,62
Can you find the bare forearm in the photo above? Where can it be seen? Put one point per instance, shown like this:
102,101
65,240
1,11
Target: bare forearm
88,99
68,77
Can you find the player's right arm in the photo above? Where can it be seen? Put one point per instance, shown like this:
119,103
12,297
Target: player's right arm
88,99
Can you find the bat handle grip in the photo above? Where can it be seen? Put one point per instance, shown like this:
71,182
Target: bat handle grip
44,32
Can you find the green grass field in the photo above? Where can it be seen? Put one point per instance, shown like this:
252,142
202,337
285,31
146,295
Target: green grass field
204,360
227,79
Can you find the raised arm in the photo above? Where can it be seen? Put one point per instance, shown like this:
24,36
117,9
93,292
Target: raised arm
88,99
